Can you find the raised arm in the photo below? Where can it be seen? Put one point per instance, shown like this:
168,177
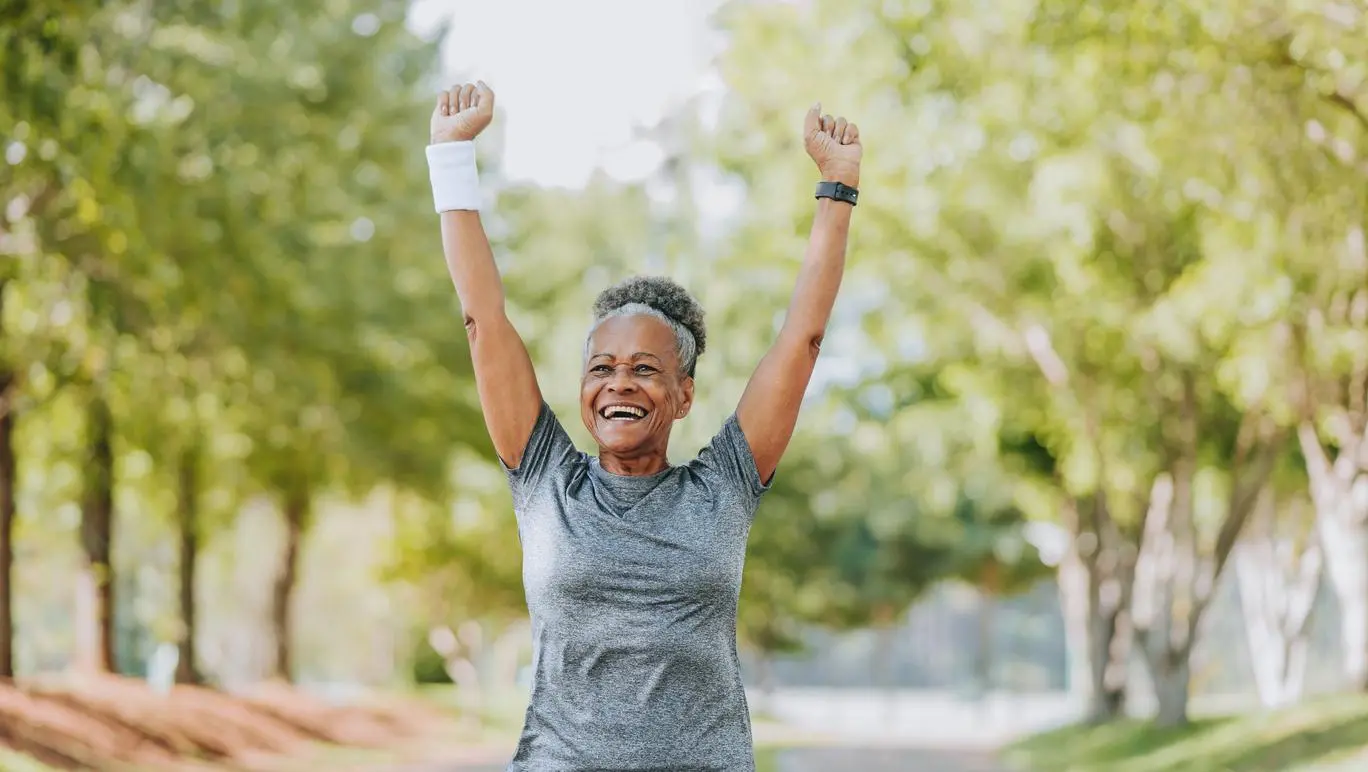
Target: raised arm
509,395
769,407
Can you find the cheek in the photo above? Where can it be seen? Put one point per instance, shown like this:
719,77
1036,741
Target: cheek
666,394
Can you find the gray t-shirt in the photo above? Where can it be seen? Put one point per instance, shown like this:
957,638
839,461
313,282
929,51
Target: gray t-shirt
632,584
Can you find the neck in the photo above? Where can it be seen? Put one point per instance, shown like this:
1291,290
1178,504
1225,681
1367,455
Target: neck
644,465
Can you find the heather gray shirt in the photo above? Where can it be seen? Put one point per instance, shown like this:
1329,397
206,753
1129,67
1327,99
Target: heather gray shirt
632,585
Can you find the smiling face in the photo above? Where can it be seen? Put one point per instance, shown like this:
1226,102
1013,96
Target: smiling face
633,389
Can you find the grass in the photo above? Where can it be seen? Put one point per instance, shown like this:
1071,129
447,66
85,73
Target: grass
766,759
1320,735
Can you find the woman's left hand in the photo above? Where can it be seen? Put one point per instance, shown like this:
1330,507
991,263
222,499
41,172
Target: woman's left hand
834,144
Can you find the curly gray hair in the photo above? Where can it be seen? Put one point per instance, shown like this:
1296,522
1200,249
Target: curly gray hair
663,299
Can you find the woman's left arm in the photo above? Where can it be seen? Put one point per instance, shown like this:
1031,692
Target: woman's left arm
769,407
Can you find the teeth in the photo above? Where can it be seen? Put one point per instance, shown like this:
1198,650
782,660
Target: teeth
623,411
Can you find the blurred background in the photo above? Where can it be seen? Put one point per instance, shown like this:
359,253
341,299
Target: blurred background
1086,453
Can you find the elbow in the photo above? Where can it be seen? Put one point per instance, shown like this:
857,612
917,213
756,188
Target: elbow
482,314
481,320
487,325
809,342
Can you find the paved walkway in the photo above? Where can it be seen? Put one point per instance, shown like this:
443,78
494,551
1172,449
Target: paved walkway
833,760
882,760
874,731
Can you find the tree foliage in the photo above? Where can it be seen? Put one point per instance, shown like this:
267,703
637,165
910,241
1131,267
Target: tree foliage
1108,272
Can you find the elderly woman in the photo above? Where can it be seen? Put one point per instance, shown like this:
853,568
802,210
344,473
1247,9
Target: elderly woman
632,567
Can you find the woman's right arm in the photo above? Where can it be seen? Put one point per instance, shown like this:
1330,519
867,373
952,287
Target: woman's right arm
509,395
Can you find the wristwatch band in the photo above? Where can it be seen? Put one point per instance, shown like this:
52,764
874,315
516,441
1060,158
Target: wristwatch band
837,191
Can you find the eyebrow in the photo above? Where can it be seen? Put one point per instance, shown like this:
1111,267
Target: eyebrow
637,355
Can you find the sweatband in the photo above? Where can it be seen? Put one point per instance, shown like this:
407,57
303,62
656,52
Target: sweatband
455,178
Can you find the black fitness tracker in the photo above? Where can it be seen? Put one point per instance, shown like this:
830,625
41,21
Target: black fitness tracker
837,191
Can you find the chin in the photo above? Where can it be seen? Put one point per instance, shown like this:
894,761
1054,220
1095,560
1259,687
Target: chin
622,438
619,448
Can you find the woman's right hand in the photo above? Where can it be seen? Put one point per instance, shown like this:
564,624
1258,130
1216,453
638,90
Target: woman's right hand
462,112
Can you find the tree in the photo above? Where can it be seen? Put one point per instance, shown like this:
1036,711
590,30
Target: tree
68,208
327,344
999,562
1059,251
8,482
1321,256
1279,566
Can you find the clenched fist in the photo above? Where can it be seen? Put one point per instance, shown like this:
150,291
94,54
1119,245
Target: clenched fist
462,112
834,144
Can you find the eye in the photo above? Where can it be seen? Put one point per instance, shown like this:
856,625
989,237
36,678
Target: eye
644,370
600,369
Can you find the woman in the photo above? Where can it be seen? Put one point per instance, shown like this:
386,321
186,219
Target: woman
632,567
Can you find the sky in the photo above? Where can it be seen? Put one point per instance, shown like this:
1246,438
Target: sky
575,78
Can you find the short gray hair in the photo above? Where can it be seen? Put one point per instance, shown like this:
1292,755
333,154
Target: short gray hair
662,299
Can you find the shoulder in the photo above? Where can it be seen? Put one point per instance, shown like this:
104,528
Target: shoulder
550,459
727,461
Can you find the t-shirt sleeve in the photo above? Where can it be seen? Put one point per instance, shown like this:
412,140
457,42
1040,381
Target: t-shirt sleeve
729,458
548,448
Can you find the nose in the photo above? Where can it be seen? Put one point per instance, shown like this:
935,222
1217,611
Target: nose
621,381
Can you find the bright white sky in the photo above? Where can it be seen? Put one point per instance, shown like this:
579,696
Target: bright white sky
575,77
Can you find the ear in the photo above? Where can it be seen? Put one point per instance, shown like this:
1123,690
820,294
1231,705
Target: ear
686,388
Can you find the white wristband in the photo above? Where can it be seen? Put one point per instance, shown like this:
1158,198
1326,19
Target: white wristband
455,178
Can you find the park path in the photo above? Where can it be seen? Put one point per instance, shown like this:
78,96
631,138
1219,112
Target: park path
874,731
884,760
829,760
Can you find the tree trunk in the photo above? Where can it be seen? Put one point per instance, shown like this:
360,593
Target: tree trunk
1109,642
1164,614
95,583
1172,676
989,589
187,522
1345,542
296,506
8,485
1279,577
1175,578
1337,489
1100,553
504,656
462,650
1072,579
983,659
1096,580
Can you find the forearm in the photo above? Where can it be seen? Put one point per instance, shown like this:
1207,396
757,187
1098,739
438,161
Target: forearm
819,278
470,261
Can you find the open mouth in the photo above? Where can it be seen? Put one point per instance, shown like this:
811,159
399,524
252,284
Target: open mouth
622,412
